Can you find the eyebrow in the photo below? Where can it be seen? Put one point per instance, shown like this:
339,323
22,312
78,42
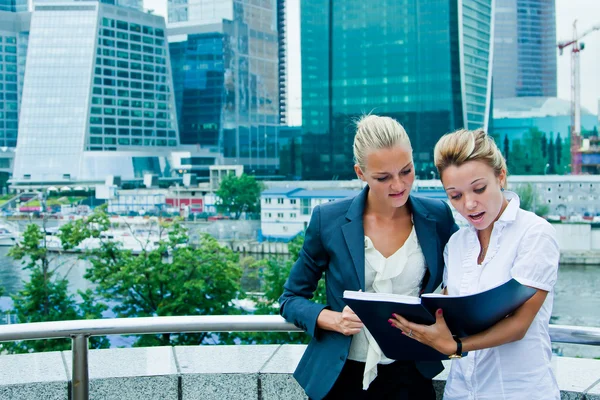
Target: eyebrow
375,173
452,187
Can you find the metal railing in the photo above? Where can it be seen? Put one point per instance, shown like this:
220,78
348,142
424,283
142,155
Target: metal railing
79,331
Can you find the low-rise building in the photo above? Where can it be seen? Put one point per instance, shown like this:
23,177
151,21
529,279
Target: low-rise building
286,212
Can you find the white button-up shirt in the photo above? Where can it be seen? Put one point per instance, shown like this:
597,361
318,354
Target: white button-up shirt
522,246
400,273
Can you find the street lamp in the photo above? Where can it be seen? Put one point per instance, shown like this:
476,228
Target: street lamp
546,168
432,174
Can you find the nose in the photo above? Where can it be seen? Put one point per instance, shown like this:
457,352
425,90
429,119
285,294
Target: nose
397,184
470,202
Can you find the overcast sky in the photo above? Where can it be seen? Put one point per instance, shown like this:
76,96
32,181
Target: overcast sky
587,13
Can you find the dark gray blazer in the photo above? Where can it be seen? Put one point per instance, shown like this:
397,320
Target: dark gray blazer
334,243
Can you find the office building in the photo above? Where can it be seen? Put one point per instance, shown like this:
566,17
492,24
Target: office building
97,97
525,48
426,64
227,80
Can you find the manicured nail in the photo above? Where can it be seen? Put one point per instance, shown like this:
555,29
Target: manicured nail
439,311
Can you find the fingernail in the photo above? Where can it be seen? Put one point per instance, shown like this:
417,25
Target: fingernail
403,333
439,311
390,321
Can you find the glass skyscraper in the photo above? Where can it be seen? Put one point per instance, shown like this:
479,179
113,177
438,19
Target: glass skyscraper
525,48
97,97
14,29
425,63
14,33
226,79
13,5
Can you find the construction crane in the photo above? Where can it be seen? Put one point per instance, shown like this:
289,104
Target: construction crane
576,47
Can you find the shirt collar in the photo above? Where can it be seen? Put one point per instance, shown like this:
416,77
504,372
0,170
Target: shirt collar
509,214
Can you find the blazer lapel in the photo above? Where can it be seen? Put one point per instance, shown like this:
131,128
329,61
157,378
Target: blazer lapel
428,238
354,235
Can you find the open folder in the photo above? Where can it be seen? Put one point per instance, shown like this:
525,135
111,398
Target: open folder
464,315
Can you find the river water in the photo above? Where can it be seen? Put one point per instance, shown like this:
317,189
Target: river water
576,300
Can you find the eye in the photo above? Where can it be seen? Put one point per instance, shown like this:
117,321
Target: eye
455,197
480,190
406,171
382,179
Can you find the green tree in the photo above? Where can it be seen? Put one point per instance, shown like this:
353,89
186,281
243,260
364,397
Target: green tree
45,297
507,150
171,279
237,195
544,143
274,273
551,155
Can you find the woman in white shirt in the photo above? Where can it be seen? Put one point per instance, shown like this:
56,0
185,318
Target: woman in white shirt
511,360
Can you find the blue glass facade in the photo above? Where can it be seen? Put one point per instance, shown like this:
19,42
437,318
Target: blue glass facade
199,92
13,5
14,35
424,63
525,48
226,79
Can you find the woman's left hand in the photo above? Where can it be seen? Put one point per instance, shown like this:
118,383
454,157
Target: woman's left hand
437,335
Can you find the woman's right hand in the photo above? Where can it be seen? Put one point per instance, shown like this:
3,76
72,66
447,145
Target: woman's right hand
345,322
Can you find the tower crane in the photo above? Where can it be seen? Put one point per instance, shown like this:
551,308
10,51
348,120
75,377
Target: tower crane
576,48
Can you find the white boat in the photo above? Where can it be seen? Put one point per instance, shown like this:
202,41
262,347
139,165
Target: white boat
132,233
9,233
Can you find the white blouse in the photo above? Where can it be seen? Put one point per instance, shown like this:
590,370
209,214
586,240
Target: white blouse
400,273
522,246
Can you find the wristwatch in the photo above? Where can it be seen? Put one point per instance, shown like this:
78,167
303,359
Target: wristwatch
458,353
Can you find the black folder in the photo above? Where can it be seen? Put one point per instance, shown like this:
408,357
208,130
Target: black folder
464,315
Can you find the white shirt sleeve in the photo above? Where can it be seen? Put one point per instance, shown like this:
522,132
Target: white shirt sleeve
538,254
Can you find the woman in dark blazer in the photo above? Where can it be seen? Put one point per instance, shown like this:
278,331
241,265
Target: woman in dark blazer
382,240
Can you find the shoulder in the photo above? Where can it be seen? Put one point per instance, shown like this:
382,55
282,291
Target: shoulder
335,208
436,208
460,238
332,214
531,224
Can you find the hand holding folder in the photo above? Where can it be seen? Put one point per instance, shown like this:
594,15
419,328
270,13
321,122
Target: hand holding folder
464,315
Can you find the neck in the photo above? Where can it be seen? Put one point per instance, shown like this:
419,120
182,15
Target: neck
376,208
487,232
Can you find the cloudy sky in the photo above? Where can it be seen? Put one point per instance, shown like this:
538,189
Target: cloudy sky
587,13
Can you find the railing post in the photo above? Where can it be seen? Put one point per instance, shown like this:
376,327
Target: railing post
80,382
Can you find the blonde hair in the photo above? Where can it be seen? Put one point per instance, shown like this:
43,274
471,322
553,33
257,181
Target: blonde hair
374,133
459,147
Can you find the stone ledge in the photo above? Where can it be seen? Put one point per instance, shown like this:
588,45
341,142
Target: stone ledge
262,372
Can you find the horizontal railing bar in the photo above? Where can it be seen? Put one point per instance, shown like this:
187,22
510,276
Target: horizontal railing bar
211,323
145,325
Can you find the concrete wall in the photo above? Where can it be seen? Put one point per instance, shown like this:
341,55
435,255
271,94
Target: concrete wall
208,372
574,237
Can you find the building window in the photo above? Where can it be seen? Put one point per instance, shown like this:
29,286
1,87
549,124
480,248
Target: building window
292,215
280,200
268,215
279,215
268,200
292,201
305,208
